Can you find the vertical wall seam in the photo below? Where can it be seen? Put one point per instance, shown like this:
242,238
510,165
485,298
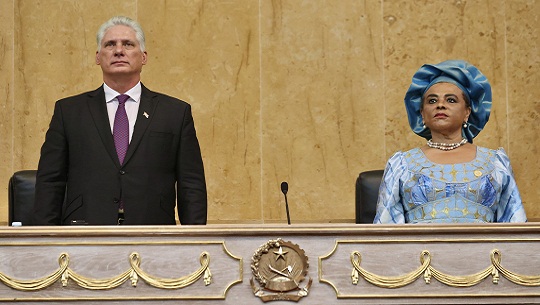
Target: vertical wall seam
383,80
261,137
12,88
507,95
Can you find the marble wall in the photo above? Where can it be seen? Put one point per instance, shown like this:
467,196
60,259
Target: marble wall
308,92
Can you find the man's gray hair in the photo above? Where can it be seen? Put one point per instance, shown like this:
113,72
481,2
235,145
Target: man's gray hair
121,20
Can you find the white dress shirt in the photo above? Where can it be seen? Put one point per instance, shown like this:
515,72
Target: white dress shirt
132,105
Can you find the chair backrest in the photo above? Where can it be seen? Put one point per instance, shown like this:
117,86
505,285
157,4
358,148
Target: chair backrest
21,194
367,192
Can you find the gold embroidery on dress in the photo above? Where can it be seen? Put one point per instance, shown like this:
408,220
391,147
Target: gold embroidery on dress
477,215
433,212
446,211
453,172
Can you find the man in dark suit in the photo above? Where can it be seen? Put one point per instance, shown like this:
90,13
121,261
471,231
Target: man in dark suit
121,154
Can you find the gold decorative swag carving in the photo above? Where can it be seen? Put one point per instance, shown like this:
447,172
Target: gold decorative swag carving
428,272
64,273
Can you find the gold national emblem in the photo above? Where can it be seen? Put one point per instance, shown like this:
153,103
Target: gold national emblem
279,267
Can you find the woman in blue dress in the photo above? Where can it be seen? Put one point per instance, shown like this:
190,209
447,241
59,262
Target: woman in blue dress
449,180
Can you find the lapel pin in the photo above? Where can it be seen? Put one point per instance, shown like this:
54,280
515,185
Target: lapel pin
146,115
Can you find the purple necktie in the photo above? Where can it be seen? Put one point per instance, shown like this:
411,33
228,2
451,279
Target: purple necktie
121,128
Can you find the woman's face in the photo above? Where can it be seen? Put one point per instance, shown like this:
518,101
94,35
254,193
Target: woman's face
444,108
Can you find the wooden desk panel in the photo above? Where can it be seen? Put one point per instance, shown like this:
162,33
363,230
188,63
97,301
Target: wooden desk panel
169,265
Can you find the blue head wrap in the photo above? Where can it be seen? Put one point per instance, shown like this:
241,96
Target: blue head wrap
467,78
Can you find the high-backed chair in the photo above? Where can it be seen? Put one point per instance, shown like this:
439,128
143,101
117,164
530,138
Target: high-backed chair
21,194
367,191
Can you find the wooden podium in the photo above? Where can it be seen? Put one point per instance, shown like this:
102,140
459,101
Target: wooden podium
274,264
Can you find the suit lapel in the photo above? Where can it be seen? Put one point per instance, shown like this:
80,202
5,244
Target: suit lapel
98,110
144,117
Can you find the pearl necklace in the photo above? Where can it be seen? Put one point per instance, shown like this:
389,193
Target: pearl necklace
446,146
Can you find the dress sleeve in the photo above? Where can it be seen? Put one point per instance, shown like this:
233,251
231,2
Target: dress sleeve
389,204
510,207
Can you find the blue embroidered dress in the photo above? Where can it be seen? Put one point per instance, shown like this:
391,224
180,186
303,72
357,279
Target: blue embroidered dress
416,190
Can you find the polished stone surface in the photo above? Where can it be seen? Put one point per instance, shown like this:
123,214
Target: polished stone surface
309,92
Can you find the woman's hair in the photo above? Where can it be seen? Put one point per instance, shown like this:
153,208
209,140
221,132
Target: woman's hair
474,85
121,20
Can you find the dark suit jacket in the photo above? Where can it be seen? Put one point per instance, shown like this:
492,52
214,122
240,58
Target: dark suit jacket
163,163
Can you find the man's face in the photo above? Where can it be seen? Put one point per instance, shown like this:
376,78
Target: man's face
120,53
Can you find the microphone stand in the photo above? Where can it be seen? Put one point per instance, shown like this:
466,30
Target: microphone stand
284,190
287,208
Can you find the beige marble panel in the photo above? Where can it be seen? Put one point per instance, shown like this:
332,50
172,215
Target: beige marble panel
523,79
55,54
6,102
419,32
322,112
54,47
207,53
309,92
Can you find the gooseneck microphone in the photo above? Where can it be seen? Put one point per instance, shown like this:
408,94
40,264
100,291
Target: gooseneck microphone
284,190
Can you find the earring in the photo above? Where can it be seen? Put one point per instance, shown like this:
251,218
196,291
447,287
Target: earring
465,125
423,124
